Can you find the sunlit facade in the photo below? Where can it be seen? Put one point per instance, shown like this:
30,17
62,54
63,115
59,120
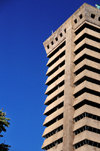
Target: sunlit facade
72,111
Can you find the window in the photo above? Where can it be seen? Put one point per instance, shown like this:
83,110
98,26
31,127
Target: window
52,42
92,16
61,34
75,21
80,16
56,38
65,30
48,46
99,19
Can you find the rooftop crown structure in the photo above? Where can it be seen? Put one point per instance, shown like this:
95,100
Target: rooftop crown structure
73,94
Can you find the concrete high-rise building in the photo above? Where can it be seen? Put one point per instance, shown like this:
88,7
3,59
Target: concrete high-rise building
73,94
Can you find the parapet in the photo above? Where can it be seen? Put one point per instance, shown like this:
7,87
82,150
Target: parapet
86,13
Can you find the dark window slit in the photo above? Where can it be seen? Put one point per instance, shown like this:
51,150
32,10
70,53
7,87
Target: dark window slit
85,56
56,59
54,120
53,144
85,35
56,77
86,114
88,142
55,88
85,78
54,131
92,48
55,98
87,102
86,25
55,108
88,68
57,49
88,91
88,128
56,68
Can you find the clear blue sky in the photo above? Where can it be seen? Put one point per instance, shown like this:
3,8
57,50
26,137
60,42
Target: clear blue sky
24,25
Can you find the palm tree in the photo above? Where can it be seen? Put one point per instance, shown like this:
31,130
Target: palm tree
4,122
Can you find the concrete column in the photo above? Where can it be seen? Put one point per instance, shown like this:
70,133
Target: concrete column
69,87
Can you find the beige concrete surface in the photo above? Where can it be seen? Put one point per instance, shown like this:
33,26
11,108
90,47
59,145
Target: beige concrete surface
87,96
66,32
54,84
87,31
53,115
55,65
86,84
55,55
87,135
88,109
58,147
88,63
86,122
52,127
89,74
54,104
87,148
54,94
51,77
88,42
52,138
87,52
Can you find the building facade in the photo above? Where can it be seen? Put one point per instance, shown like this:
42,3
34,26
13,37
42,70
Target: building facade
72,111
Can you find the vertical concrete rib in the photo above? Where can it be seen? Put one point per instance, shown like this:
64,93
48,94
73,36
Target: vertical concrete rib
68,101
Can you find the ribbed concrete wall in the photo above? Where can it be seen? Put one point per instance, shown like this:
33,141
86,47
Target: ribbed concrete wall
73,84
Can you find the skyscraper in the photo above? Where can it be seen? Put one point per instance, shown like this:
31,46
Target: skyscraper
73,85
